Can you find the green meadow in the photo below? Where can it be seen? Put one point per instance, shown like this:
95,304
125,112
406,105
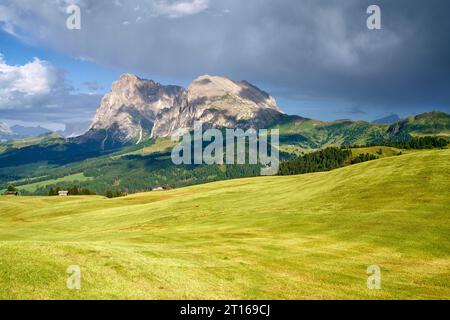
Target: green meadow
310,236
78,177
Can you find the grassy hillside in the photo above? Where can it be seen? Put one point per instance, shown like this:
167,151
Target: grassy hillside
425,124
313,134
44,139
73,178
380,151
296,237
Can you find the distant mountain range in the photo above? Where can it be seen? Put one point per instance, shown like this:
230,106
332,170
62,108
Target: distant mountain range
20,132
25,132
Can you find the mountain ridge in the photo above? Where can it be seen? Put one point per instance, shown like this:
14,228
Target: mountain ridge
427,123
137,108
18,132
24,132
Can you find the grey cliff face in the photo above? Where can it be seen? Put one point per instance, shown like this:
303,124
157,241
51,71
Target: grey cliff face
218,102
130,109
137,108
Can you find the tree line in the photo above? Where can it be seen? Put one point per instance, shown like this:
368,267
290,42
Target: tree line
323,160
73,191
419,143
364,157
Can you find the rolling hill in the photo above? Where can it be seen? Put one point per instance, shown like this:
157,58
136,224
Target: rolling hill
429,123
313,134
297,237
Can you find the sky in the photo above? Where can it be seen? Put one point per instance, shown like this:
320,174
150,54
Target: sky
316,57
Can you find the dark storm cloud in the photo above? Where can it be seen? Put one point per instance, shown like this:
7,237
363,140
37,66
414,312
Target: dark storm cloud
309,49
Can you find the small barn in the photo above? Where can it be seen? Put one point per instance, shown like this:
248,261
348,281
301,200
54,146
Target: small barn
161,188
12,193
63,193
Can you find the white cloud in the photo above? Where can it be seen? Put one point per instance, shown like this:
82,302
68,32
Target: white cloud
39,91
25,83
180,8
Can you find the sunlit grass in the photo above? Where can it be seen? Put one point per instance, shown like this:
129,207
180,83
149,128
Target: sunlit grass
297,237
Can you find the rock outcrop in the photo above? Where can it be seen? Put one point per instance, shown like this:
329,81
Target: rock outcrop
129,111
218,102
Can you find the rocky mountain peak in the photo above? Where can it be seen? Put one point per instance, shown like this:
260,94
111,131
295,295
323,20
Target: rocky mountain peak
129,111
219,102
130,85
215,87
129,77
126,82
137,108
